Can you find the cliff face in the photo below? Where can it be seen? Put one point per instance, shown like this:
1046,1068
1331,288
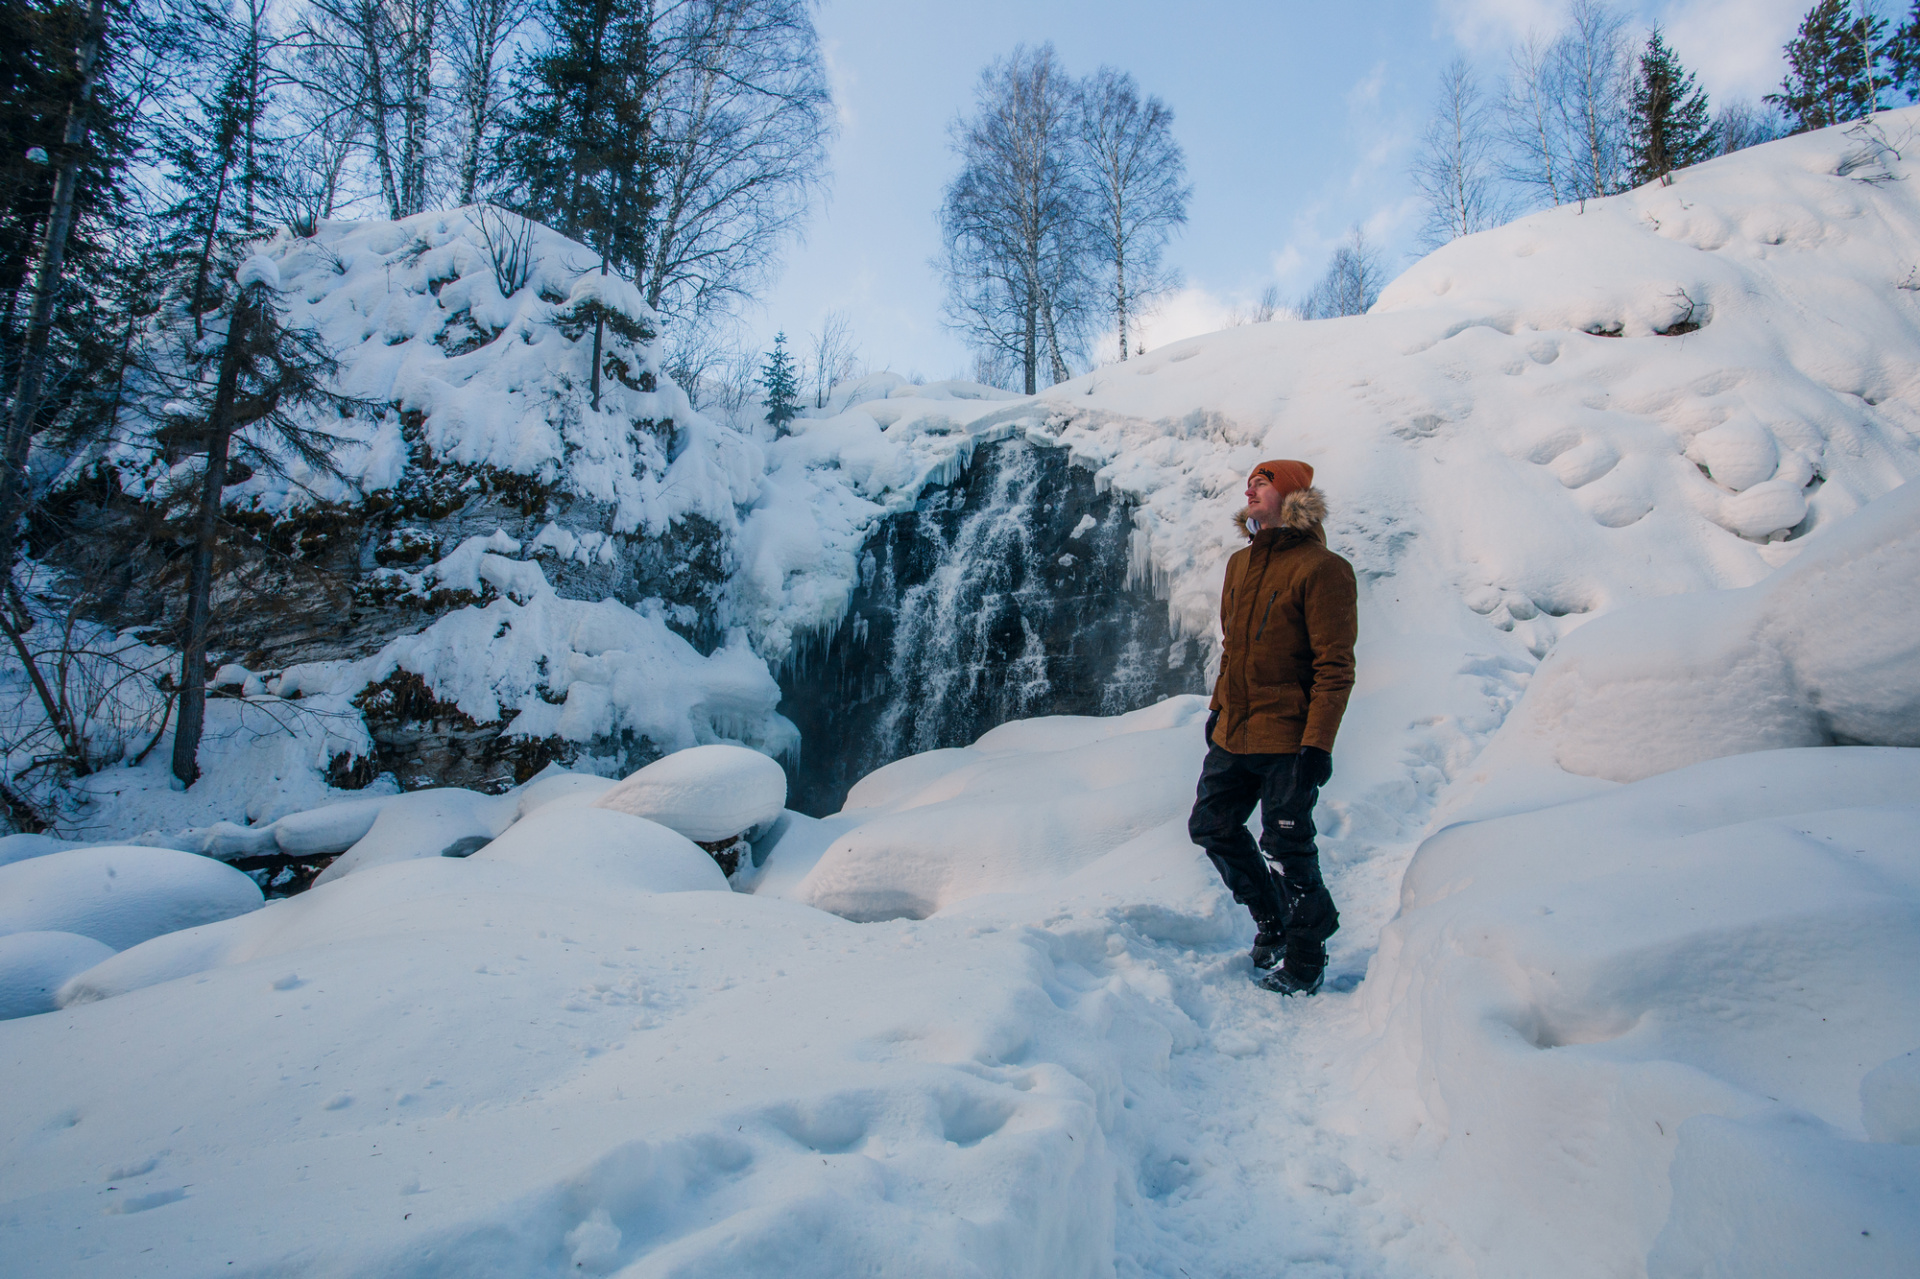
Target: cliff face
508,566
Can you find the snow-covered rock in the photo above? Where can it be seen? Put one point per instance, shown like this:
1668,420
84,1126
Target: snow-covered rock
600,848
17,848
1023,807
120,895
706,793
441,822
34,965
557,786
1825,650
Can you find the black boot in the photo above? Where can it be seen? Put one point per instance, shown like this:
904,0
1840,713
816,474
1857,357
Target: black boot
1305,969
1285,981
1268,946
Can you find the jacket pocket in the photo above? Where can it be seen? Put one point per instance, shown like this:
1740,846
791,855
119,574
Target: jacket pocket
1266,614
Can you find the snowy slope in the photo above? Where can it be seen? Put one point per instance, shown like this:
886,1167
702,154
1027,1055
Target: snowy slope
1588,1041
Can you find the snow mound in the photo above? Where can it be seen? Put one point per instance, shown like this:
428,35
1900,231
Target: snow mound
1701,972
1825,650
556,785
34,965
18,848
706,793
258,269
598,847
1028,804
120,895
702,1082
441,822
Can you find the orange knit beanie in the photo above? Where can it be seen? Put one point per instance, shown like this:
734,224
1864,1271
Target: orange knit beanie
1288,477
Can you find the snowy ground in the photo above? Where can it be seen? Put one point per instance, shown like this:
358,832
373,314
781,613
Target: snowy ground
1595,907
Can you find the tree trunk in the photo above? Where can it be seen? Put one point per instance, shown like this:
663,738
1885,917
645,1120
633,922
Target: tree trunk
1030,348
193,654
46,283
599,331
413,170
370,31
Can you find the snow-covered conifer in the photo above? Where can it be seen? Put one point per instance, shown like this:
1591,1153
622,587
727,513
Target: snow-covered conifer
781,385
1668,124
1834,67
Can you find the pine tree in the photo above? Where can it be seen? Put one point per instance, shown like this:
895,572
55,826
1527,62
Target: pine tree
1902,52
1668,121
579,152
782,385
1835,67
221,157
241,398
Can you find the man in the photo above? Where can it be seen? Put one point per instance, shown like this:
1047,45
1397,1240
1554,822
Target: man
1286,666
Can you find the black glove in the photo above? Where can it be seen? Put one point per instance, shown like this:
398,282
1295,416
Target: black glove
1212,720
1315,767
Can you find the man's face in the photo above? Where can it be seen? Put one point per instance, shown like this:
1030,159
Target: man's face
1263,501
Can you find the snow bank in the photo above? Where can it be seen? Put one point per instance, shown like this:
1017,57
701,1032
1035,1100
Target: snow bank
1025,806
702,1082
17,848
415,314
706,793
120,895
608,848
442,822
1825,650
34,965
555,785
1696,970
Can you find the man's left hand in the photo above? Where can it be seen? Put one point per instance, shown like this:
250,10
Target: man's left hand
1316,766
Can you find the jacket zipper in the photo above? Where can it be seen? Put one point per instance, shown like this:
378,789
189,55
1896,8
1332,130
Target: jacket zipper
1264,616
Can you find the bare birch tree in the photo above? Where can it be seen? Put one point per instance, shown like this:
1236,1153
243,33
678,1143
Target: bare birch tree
1564,111
1352,281
1136,176
1015,220
478,35
372,62
834,355
741,117
1454,168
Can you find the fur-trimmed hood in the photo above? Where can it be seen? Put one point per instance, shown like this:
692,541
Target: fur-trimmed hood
1303,510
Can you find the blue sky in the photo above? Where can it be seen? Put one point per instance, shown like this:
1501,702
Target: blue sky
1298,120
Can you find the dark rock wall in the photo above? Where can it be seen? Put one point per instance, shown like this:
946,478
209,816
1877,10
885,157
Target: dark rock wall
979,607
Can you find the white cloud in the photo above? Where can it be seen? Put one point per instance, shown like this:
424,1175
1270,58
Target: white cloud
1184,313
840,82
1735,46
1480,25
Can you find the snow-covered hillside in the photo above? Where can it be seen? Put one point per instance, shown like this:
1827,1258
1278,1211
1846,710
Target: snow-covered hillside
1621,984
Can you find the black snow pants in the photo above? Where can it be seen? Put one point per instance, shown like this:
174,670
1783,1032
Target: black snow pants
1294,902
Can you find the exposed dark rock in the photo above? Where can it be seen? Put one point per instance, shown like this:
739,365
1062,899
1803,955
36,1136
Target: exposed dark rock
979,607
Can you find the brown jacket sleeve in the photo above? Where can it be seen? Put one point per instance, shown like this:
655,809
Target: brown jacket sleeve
1331,614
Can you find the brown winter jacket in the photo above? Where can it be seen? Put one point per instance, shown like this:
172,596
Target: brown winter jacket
1287,615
